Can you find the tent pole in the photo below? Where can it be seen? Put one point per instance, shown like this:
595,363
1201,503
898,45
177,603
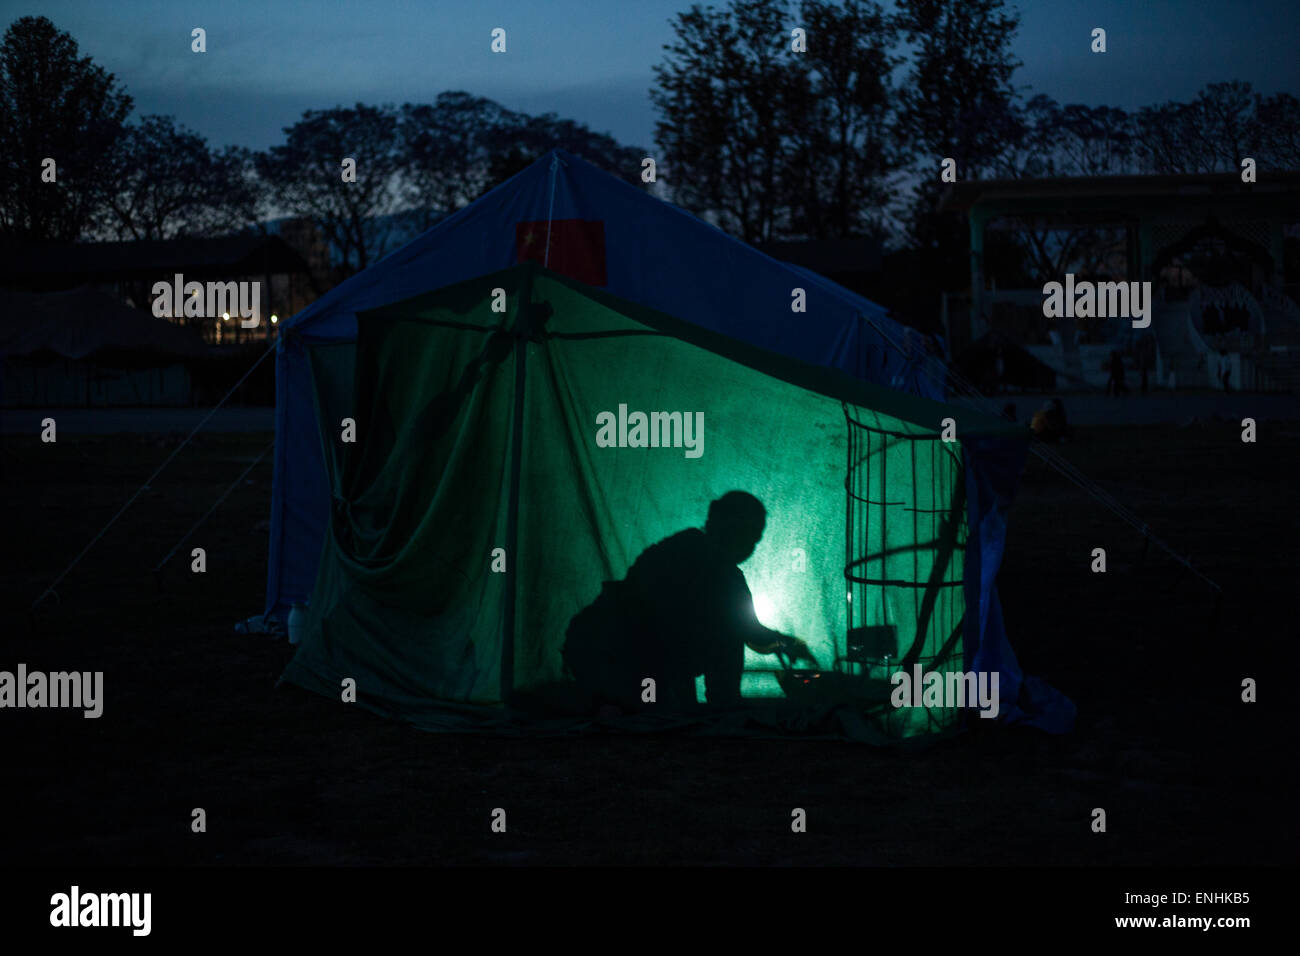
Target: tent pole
522,332
550,210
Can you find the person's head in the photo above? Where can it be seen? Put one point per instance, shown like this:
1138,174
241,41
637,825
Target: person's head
735,524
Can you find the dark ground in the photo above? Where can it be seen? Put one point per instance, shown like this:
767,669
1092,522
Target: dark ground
1186,772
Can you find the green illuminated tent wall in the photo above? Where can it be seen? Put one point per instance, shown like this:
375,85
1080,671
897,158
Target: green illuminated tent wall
476,412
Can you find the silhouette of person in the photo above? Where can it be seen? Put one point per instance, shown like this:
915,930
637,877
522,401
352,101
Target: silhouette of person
1115,384
1049,422
682,611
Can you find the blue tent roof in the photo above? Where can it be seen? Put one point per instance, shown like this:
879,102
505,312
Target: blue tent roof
653,253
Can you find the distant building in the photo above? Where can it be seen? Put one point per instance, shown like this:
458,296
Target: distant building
129,271
1215,250
84,348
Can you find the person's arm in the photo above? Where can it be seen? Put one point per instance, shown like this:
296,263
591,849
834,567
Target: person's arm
773,641
759,639
764,640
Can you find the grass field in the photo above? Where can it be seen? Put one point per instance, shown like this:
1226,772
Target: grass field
1187,773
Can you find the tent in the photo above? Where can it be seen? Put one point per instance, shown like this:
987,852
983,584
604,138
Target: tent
83,347
581,222
497,473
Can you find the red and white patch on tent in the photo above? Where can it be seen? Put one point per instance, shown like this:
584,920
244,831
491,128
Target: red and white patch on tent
577,247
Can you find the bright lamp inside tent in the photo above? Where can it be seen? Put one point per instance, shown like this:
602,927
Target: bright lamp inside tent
765,609
759,678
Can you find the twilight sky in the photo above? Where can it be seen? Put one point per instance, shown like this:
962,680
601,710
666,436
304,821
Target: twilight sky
268,60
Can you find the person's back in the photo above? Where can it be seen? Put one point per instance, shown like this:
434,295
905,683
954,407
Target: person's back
699,608
685,581
682,610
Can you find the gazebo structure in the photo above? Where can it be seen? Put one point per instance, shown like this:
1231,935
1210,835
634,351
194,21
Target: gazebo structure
1162,219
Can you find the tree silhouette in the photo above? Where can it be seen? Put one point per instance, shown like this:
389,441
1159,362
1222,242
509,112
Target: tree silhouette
843,144
56,104
169,183
305,174
724,93
959,101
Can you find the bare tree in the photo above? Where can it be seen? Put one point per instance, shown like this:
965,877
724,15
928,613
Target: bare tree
1277,131
447,152
58,105
306,175
723,92
842,146
959,101
168,183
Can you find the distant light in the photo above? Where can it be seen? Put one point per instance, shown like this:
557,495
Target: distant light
764,609
225,316
274,318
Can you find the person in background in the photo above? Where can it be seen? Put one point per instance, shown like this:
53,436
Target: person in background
1115,384
1049,423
